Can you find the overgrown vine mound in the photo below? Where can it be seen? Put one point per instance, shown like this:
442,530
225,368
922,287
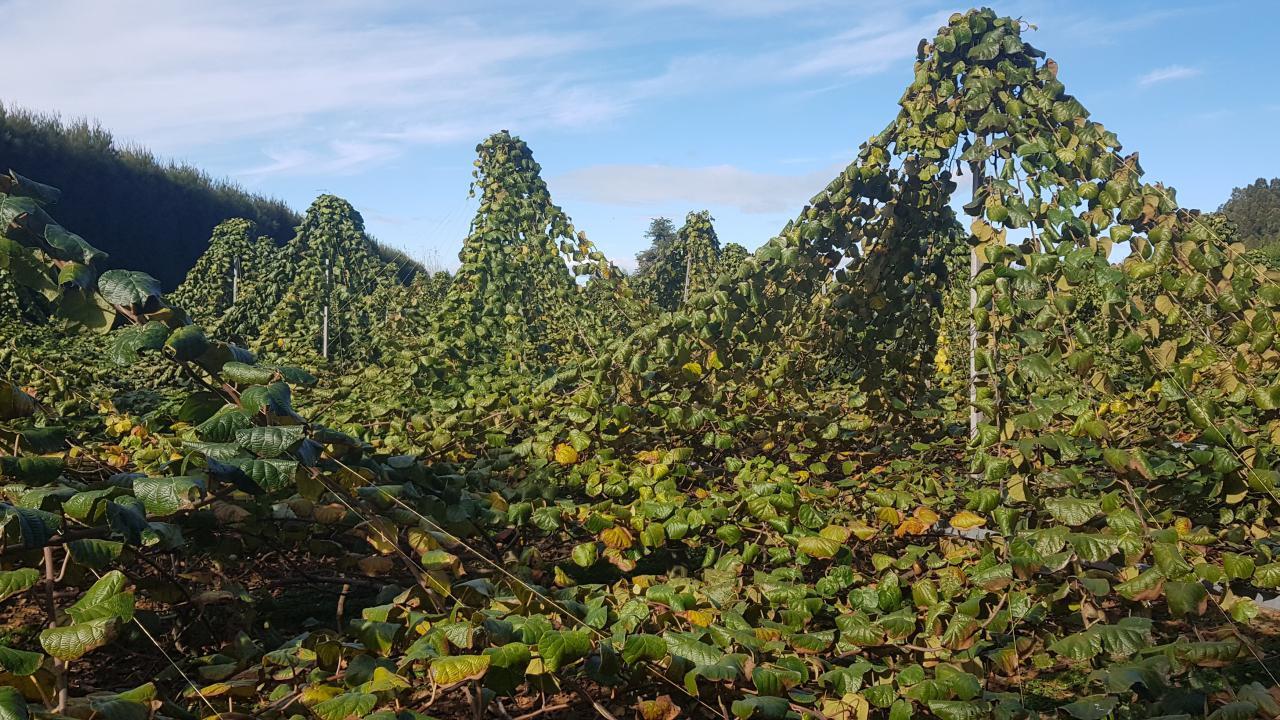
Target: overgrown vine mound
745,487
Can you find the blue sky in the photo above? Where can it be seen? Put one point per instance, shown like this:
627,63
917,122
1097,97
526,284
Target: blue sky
634,109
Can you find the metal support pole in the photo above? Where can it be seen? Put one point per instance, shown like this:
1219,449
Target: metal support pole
975,415
688,270
324,328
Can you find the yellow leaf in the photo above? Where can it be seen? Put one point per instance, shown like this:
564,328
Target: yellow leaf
911,526
316,694
421,541
693,369
562,578
835,532
329,514
966,520
863,531
375,565
660,708
700,618
382,534
566,454
926,515
497,502
888,516
1182,525
617,538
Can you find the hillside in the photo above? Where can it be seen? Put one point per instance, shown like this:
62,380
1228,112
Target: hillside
125,193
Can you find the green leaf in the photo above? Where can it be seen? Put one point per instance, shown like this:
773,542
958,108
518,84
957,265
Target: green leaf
1093,547
643,647
585,554
89,506
35,526
559,648
14,403
19,662
1185,598
1267,576
134,704
1072,511
94,552
222,427
187,343
346,706
245,374
166,496
32,470
13,582
269,441
1093,707
454,669
1125,637
128,288
275,398
87,310
1208,652
104,599
761,707
818,546
67,245
270,474
727,669
507,665
959,709
690,648
71,642
12,705
21,186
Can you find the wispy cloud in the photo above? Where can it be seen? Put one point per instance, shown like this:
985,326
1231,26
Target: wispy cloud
1168,74
694,187
333,79
333,87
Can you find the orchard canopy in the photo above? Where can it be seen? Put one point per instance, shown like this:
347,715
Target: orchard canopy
308,484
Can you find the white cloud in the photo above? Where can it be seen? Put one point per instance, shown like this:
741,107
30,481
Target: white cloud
335,86
694,187
333,78
337,157
872,45
1168,74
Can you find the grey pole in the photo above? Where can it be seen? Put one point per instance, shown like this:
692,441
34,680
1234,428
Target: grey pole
975,416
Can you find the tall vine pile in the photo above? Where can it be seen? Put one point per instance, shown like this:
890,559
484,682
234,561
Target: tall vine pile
687,265
329,273
533,492
231,285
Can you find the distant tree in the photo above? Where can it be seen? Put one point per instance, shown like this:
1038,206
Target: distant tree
661,235
678,263
149,214
1255,211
